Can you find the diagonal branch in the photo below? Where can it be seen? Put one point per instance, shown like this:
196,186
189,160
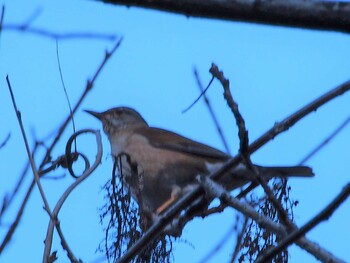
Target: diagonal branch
30,156
322,216
217,190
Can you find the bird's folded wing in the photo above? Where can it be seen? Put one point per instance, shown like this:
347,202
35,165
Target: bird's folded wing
174,142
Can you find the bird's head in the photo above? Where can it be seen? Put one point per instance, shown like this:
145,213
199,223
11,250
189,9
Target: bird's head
118,118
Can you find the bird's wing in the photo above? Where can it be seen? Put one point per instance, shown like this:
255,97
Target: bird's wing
171,141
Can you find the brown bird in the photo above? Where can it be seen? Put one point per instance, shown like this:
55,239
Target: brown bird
160,166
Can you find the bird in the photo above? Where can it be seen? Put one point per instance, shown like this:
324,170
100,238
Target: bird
160,166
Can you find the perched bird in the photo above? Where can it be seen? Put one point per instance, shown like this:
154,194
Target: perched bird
160,166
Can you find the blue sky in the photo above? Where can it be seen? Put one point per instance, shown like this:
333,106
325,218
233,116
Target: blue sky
273,71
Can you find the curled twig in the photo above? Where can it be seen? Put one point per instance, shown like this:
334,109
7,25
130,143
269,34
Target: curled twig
71,157
54,220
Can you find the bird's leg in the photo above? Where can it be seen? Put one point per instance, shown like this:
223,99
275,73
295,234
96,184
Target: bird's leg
175,194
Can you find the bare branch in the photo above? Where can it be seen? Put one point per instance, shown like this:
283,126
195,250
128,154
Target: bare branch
24,28
64,88
187,199
218,246
211,111
322,15
242,131
327,140
65,245
322,216
239,240
5,140
244,146
9,197
54,220
30,156
15,223
2,17
217,190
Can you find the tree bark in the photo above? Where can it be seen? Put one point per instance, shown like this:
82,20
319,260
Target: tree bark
309,14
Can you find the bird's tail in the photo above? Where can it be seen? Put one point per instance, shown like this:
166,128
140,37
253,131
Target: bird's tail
240,175
285,171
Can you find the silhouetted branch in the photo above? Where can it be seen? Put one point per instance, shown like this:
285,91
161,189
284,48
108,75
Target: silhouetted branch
322,216
322,15
327,140
58,36
30,156
9,197
217,190
218,246
244,145
15,223
2,17
211,111
239,240
26,27
7,138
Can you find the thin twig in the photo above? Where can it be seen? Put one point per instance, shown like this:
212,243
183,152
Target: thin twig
59,36
244,146
322,216
5,140
199,97
10,197
239,240
54,221
217,190
327,140
65,90
65,245
15,223
32,17
30,156
2,18
88,87
211,111
187,199
218,246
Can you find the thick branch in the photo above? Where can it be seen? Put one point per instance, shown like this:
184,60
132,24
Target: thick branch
322,15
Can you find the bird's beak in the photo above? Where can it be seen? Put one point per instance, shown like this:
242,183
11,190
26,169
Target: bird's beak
95,114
